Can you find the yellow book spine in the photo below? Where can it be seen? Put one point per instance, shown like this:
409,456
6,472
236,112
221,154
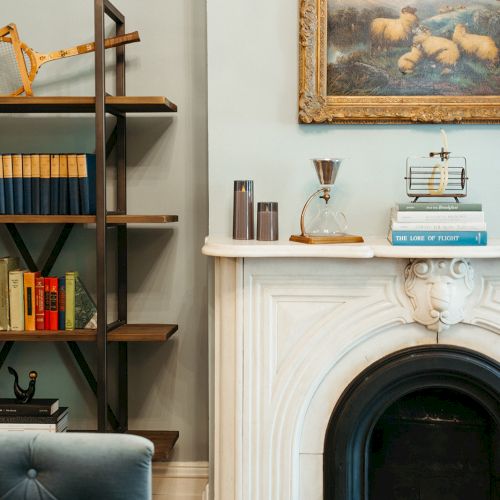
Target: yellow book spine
8,184
7,166
29,300
45,166
63,165
45,184
72,166
17,166
17,183
35,165
26,166
54,166
81,161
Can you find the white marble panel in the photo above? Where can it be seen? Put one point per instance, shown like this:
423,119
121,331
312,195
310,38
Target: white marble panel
311,476
292,333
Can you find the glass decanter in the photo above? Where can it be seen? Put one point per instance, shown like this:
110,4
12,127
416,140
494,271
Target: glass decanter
327,221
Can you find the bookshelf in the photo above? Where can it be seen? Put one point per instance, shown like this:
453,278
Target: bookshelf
120,332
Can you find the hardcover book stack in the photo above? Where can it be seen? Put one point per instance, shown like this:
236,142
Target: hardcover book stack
40,415
43,184
438,224
29,301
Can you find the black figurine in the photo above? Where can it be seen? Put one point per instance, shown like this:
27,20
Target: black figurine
24,395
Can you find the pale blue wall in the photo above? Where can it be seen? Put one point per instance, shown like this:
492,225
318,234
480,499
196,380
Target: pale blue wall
253,130
167,173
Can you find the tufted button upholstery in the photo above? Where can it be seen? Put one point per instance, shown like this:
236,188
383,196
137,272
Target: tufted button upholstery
74,466
32,473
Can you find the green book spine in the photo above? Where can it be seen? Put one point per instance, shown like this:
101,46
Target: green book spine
70,299
439,207
6,264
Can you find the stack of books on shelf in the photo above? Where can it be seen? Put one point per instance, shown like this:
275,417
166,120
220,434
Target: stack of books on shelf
438,224
43,184
40,415
29,301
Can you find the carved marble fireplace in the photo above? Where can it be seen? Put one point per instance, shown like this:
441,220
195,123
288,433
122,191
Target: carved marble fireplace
295,325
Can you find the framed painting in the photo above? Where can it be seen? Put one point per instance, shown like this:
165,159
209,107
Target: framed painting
399,61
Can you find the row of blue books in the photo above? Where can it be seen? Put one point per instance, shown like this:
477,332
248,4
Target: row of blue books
47,184
438,224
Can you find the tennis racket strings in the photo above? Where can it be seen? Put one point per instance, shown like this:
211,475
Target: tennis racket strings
10,76
19,64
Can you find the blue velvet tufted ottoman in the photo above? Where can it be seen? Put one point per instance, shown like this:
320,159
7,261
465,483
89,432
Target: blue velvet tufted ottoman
74,466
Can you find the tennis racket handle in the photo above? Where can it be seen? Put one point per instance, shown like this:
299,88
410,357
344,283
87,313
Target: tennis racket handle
122,40
109,43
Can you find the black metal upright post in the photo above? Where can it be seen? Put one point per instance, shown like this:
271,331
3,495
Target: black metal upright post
101,275
121,206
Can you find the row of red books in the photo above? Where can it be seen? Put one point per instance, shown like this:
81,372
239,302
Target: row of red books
29,301
41,303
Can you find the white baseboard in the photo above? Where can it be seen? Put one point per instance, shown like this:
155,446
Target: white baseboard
206,493
180,480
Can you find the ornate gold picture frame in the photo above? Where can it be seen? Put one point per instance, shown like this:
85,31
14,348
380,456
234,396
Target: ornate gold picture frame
350,66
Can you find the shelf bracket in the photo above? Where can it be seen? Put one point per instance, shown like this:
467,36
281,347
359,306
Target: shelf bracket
26,255
111,142
5,351
21,246
56,250
91,380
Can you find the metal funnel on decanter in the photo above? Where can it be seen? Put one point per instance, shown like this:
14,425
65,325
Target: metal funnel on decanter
327,169
328,225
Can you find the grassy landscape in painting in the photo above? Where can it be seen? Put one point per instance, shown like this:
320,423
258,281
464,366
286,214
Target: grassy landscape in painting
379,48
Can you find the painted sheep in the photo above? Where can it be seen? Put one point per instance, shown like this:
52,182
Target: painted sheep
408,61
440,49
481,46
385,31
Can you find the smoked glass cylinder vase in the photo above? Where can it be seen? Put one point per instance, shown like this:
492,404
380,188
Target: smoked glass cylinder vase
243,218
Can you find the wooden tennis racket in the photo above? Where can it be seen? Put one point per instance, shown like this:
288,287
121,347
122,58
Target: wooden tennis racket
19,64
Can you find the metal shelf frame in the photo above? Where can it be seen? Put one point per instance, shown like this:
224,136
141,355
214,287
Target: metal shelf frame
103,8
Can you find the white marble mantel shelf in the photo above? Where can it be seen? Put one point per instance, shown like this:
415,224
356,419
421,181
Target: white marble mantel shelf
218,246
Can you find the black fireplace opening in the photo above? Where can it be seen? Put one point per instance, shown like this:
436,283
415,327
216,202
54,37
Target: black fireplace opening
433,444
420,424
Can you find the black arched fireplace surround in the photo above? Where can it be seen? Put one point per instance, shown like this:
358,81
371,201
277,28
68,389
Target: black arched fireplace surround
439,407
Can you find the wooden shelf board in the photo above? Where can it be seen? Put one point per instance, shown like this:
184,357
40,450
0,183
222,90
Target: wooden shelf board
164,442
86,335
142,333
141,219
88,219
86,104
125,333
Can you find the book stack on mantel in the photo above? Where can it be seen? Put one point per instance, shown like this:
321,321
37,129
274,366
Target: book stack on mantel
438,224
39,415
